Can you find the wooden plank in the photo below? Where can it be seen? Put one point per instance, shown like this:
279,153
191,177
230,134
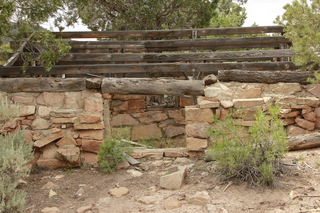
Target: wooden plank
42,84
170,33
174,57
269,77
206,68
182,44
151,86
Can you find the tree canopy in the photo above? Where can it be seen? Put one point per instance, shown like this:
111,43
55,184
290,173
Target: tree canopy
301,22
18,18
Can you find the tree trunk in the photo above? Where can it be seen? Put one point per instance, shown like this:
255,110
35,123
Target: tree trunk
269,77
151,86
304,141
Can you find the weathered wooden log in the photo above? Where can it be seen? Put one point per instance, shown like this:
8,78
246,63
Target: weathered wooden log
151,86
173,57
207,68
182,44
265,76
42,84
170,33
305,141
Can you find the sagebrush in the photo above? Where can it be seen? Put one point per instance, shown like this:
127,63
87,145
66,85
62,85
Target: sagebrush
253,155
15,153
113,150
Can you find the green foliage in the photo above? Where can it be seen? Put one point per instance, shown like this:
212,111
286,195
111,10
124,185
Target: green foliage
112,152
228,14
45,49
252,155
144,14
15,153
301,21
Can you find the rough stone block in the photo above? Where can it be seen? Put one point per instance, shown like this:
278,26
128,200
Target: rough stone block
172,131
50,99
93,105
293,130
206,104
226,103
219,91
176,152
27,110
146,132
123,107
155,117
311,116
66,140
244,103
137,104
91,145
64,120
304,101
196,144
91,118
48,139
49,151
22,99
315,91
40,123
197,115
251,92
89,158
79,126
44,112
63,113
174,180
123,120
68,153
55,164
197,130
176,114
286,88
308,125
91,134
155,154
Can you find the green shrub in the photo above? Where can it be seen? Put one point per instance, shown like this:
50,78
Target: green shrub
112,152
253,155
15,153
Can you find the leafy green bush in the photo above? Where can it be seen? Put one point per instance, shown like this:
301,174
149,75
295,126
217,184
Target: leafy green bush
253,155
15,153
112,152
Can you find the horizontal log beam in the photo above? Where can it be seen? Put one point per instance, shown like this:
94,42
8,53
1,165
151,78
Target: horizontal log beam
151,86
269,77
181,44
173,57
305,141
207,68
42,84
170,33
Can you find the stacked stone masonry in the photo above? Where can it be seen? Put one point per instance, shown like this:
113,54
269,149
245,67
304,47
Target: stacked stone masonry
299,104
67,128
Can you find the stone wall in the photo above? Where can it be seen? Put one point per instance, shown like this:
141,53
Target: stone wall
67,128
300,109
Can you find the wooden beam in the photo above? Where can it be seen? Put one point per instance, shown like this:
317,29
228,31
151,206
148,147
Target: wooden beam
151,86
42,84
205,68
305,141
174,57
269,77
181,44
170,33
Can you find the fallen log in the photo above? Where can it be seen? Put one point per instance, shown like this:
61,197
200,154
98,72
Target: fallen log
152,86
305,141
270,77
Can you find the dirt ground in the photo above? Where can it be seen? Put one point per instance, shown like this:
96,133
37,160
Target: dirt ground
298,189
